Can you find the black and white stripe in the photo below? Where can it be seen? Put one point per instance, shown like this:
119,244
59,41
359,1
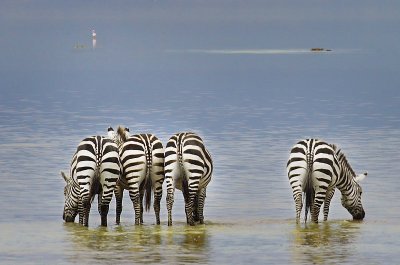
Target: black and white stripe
96,168
188,167
71,193
142,158
316,168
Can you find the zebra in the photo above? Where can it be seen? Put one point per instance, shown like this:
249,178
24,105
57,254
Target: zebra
188,167
95,169
142,159
317,168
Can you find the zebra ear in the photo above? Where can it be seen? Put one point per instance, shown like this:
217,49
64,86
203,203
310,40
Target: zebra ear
360,177
65,177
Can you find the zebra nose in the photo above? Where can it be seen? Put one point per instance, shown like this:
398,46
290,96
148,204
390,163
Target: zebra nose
359,216
69,219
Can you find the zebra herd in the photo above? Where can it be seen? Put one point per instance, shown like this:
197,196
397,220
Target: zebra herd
103,165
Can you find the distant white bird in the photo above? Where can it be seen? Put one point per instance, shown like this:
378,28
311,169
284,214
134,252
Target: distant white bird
94,38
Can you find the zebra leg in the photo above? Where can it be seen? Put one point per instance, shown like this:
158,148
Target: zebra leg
171,170
297,173
119,192
156,205
189,209
195,208
157,176
200,205
85,198
157,198
80,210
135,198
170,203
99,203
106,197
85,205
86,210
298,200
315,208
103,213
186,199
190,189
327,202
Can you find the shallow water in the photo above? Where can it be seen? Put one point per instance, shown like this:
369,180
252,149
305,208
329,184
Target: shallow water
250,107
259,242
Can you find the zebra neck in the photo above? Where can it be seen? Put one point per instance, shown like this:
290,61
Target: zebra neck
346,184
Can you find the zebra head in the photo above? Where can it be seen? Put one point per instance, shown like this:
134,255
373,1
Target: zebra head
71,194
110,133
353,202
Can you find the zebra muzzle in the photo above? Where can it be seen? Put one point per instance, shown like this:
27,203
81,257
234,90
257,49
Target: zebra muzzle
359,215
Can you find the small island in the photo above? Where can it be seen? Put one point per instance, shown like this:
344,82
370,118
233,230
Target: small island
320,50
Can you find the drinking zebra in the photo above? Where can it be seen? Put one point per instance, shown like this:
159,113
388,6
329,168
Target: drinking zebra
95,169
188,167
142,158
316,168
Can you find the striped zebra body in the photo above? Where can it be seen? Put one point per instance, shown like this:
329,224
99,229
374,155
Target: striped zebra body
188,167
316,168
142,159
96,168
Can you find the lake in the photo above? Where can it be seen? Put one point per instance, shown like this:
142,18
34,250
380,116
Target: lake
251,96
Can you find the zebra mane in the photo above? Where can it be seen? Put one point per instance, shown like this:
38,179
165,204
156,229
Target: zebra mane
121,133
343,161
334,147
69,179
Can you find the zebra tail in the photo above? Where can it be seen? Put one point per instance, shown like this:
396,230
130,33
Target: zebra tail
185,188
148,183
308,187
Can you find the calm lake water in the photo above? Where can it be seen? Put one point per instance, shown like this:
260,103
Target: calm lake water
249,107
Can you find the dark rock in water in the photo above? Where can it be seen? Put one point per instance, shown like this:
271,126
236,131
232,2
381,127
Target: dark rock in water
320,50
